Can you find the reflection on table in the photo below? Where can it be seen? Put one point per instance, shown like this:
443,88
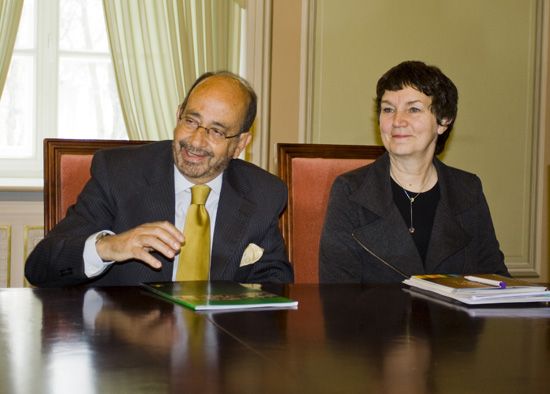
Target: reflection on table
118,340
342,338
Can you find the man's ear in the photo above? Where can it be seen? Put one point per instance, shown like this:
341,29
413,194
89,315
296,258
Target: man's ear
179,113
244,140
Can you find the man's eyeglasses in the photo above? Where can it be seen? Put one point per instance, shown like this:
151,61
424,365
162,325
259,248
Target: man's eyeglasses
213,134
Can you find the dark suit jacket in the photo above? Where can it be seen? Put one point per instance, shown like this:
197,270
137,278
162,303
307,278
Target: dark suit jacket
361,203
135,185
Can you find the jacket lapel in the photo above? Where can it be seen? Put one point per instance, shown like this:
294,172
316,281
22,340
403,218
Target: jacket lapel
232,221
155,197
386,234
388,241
447,236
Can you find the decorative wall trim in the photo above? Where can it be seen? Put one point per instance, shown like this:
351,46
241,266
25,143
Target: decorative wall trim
258,61
530,256
532,266
5,255
31,236
307,40
25,222
540,246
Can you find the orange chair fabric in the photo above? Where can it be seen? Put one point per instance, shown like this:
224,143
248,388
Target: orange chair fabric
309,171
74,172
66,171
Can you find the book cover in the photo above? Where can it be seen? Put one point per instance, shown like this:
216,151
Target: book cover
470,291
450,283
204,295
500,310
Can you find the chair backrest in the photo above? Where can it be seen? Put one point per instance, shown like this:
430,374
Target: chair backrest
66,171
309,171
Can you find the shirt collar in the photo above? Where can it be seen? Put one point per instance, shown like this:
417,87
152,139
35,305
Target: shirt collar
182,184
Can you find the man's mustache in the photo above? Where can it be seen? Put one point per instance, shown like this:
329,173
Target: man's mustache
196,151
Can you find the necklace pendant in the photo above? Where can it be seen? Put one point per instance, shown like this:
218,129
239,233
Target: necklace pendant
411,230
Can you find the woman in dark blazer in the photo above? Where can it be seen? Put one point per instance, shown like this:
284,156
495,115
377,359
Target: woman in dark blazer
408,213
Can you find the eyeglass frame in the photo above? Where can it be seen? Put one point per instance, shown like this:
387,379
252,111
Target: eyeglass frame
208,130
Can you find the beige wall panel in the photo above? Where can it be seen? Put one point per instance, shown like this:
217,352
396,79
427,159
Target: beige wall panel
285,76
21,227
488,48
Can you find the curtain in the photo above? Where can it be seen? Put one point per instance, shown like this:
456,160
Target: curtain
10,14
160,47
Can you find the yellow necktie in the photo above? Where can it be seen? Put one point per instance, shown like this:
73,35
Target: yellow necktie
194,260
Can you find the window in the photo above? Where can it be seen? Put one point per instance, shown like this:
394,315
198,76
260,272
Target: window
60,84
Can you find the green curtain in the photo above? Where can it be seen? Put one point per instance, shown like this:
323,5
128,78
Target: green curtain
10,14
160,47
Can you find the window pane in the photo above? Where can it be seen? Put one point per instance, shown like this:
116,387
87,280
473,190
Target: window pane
25,34
82,26
88,100
16,109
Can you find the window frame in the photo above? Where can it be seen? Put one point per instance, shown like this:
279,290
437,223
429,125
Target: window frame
26,174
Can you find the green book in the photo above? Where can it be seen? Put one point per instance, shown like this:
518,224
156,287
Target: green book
204,295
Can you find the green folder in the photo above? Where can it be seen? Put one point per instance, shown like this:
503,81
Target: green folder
204,295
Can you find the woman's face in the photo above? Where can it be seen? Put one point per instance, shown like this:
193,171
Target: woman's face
407,125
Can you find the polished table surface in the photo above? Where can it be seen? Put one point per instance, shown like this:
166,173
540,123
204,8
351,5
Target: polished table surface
341,339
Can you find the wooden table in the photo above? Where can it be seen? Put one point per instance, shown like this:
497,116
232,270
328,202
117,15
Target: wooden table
341,339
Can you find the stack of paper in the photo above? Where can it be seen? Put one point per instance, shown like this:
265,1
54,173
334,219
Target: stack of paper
480,289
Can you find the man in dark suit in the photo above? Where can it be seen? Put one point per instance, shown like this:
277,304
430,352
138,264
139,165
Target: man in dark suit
126,225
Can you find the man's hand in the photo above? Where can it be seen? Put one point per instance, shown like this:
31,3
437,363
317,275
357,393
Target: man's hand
139,242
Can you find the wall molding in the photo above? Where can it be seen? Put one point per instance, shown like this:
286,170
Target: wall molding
307,40
25,219
258,69
529,257
541,125
5,255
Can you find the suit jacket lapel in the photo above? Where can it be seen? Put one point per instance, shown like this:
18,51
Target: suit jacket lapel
153,188
232,221
155,196
447,236
385,234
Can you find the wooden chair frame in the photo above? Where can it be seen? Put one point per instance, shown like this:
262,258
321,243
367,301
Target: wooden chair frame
54,150
286,153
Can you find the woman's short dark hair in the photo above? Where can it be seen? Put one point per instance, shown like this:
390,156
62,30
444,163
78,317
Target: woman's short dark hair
252,98
430,81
